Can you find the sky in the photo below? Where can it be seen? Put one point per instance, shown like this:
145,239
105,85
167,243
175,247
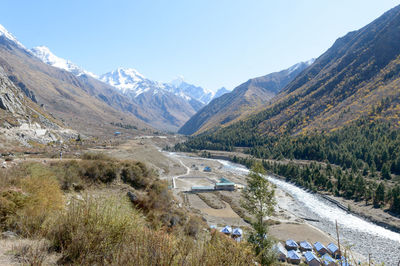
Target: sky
211,43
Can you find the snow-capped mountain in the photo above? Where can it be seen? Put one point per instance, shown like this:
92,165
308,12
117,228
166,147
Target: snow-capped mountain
129,80
163,105
46,56
180,87
4,32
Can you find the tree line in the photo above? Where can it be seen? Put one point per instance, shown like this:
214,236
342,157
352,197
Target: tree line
361,157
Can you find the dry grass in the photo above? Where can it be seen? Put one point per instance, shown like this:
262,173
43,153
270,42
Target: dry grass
34,254
104,229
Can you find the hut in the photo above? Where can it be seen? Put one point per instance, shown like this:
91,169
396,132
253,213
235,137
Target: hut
280,251
333,250
320,248
237,232
293,257
207,169
312,259
227,230
117,133
328,260
305,246
291,245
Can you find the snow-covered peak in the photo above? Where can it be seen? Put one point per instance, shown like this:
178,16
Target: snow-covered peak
178,81
46,56
129,79
4,32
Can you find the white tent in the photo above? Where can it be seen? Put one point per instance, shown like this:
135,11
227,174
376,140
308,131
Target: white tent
237,232
226,230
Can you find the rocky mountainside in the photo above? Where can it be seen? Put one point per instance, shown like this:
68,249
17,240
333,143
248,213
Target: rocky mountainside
23,121
244,100
81,102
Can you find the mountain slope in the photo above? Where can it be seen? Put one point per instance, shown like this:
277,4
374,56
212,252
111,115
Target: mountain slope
242,101
23,121
82,102
360,72
357,79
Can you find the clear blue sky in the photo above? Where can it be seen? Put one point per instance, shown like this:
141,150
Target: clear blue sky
212,43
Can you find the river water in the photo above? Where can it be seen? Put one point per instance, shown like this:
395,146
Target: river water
362,236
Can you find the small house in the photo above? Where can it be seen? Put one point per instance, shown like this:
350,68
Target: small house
225,186
333,250
305,246
202,189
117,133
328,260
280,251
207,169
312,259
320,248
291,244
237,232
293,257
227,230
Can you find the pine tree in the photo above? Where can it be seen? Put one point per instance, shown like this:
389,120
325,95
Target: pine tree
258,200
379,195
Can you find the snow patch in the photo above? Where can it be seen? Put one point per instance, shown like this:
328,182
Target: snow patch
47,57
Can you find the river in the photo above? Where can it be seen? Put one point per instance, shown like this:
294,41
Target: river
361,235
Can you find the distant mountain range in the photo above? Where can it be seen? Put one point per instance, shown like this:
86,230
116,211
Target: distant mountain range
79,101
166,106
244,100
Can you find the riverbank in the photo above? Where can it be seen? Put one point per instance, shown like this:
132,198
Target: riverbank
381,217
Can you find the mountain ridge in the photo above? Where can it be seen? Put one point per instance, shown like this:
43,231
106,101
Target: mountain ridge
245,99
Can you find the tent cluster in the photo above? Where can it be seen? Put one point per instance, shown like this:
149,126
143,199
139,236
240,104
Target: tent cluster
315,255
236,233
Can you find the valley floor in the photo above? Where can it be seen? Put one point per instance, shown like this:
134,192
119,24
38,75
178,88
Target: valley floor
182,171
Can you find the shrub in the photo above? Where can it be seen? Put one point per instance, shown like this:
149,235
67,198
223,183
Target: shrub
26,207
91,231
44,196
96,156
99,171
136,174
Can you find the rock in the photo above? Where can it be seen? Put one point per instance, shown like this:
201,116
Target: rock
9,234
132,197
